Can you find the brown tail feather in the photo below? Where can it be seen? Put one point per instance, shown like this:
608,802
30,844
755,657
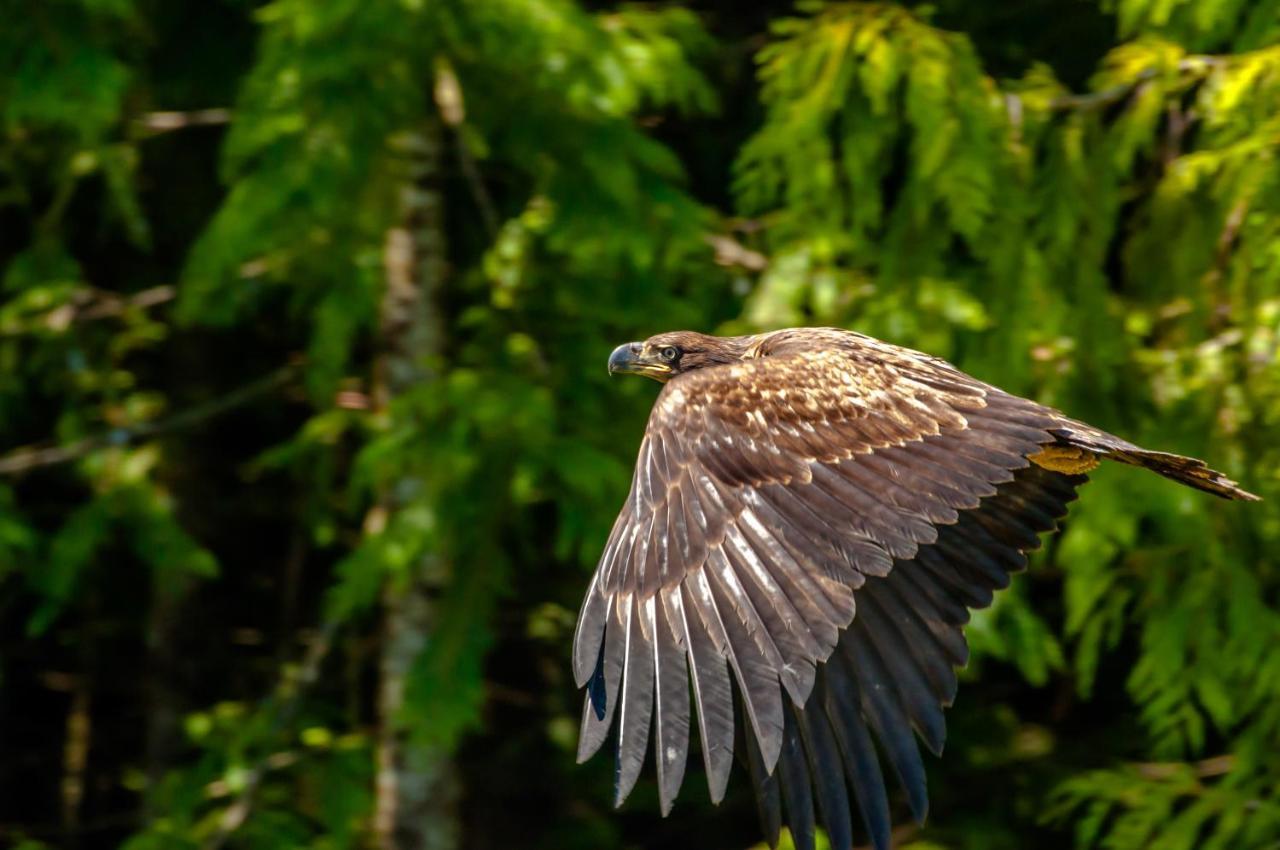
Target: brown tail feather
1185,470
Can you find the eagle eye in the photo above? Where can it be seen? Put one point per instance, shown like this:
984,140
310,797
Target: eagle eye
670,354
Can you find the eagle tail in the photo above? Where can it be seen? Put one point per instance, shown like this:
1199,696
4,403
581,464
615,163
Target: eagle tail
1185,470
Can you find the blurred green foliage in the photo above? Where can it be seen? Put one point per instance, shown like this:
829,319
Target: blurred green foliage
195,209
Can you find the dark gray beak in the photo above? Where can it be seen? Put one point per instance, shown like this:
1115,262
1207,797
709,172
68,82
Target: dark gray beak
625,358
631,359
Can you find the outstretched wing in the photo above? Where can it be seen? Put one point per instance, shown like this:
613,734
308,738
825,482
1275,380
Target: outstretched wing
766,495
893,669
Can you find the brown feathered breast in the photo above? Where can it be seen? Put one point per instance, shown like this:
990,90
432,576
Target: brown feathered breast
813,514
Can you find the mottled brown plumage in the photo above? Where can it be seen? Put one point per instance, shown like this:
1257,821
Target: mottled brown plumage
813,514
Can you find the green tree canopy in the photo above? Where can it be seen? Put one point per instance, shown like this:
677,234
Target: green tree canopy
308,447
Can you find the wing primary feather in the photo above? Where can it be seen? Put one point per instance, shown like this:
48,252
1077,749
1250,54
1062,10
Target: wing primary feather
731,598
680,554
782,621
932,656
694,521
838,692
914,582
658,555
659,460
711,690
899,661
754,565
595,729
975,550
588,637
798,521
932,650
716,505
886,716
797,792
1023,524
596,688
823,754
634,552
649,470
671,721
853,547
1006,528
767,793
823,614
941,569
756,674
816,554
637,700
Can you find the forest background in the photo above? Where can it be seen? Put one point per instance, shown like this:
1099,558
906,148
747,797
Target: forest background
307,447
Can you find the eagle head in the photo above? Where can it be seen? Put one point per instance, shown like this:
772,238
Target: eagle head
666,355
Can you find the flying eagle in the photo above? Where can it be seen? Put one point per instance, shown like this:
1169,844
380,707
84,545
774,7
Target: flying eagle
813,514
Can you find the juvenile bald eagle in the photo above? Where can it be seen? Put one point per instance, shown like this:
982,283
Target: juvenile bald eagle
813,514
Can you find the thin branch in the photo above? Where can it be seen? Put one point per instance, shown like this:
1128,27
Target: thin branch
1204,769
1196,65
156,123
1229,235
25,459
109,304
731,253
220,789
470,171
88,305
1222,254
453,112
1103,98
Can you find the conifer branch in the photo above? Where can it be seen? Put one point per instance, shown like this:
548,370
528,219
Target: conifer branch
1195,65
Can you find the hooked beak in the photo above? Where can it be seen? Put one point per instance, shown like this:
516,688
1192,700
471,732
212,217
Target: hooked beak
629,359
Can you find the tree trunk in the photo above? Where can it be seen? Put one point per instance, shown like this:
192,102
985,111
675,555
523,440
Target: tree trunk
417,792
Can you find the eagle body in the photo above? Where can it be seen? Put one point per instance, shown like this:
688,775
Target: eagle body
813,515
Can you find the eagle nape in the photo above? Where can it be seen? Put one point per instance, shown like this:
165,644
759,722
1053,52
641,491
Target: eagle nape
813,516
